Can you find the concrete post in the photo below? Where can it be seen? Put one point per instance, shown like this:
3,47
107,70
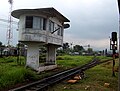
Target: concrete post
51,54
33,56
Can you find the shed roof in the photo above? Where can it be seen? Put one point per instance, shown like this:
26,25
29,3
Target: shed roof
50,12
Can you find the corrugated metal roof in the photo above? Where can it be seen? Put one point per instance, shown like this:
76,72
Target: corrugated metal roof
50,12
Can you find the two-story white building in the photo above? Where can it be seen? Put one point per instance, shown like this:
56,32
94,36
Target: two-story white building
38,27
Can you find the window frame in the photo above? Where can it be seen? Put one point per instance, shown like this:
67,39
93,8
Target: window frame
34,23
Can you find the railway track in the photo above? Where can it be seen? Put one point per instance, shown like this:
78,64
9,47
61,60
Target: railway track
43,84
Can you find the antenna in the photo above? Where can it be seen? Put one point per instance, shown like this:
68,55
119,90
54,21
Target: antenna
9,30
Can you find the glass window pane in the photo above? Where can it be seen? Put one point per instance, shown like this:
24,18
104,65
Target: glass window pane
44,23
41,25
60,31
51,26
36,22
29,22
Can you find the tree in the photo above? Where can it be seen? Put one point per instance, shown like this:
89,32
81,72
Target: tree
66,47
1,49
78,48
90,50
105,51
60,51
0,43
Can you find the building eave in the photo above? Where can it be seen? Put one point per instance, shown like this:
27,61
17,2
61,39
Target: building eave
50,12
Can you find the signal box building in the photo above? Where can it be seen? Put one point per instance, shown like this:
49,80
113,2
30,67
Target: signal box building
40,27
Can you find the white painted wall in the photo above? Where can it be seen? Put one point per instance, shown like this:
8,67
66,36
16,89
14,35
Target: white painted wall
39,35
33,56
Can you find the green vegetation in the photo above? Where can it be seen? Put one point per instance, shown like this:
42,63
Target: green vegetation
73,61
12,73
94,80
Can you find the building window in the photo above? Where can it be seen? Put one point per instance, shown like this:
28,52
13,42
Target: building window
35,22
44,23
51,26
29,22
60,31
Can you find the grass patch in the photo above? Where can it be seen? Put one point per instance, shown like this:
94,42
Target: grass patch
15,75
94,80
73,61
7,59
12,73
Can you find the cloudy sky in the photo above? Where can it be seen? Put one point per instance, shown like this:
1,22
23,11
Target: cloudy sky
92,21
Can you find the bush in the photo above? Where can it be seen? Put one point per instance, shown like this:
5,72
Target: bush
7,59
14,76
60,58
11,77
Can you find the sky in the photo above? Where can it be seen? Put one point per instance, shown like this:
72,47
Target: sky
91,21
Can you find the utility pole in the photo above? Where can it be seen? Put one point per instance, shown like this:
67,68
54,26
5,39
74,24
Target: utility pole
9,30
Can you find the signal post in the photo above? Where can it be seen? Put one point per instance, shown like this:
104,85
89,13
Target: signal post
113,47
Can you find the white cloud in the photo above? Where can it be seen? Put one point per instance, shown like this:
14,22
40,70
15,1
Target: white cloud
94,43
92,21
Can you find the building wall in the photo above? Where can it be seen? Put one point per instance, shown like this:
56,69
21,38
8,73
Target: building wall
33,56
29,34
